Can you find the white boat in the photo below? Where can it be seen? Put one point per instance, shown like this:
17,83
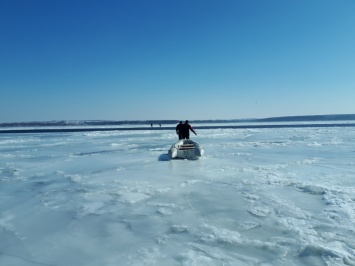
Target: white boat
186,149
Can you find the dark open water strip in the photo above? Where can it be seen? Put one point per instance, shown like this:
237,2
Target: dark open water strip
60,130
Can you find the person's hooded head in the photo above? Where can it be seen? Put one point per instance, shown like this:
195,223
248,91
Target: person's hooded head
187,121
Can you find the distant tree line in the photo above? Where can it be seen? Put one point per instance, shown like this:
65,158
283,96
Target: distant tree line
64,123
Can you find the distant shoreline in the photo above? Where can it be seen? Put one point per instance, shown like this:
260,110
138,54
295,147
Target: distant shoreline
146,123
67,130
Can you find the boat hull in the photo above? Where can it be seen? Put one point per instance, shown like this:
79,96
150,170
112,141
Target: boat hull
186,149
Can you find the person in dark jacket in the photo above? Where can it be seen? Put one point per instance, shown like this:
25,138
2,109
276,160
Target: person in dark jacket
186,130
179,130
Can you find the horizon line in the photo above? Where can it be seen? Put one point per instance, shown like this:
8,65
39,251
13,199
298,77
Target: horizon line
177,120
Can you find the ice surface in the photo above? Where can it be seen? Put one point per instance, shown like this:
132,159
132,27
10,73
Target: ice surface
258,197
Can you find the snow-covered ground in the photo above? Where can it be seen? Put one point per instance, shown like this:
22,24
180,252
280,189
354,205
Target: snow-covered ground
258,197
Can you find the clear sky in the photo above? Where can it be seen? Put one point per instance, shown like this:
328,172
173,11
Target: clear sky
183,59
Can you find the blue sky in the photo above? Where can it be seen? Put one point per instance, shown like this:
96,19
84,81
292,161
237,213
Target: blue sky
185,59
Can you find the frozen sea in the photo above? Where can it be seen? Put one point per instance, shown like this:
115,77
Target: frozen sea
260,196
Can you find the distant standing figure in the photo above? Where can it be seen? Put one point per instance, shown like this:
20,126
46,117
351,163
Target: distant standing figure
179,130
186,130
